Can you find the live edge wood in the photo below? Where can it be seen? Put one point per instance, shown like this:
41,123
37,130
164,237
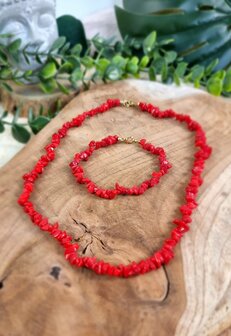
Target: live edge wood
42,295
30,96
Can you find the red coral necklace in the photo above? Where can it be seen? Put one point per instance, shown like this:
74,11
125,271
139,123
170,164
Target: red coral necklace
166,252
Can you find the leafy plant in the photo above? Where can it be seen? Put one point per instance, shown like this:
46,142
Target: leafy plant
35,123
200,29
109,60
104,60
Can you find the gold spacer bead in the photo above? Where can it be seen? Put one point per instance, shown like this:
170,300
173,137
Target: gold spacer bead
128,140
127,103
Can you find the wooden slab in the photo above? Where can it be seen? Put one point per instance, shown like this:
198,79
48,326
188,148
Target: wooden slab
41,294
31,96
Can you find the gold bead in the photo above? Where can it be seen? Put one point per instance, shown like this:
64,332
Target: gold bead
128,140
127,103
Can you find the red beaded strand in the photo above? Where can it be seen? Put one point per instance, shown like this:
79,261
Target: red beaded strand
166,252
78,170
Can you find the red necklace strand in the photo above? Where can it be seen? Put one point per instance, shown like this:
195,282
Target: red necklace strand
78,170
166,252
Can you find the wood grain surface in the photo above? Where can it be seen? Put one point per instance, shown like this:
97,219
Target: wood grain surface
31,97
42,295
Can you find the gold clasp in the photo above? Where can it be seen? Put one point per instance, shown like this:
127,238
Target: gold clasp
128,140
127,103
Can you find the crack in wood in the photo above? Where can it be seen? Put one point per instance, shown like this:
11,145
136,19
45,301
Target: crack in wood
85,248
104,247
168,284
93,236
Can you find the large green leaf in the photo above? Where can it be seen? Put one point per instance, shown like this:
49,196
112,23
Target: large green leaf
38,123
73,30
172,6
20,133
201,30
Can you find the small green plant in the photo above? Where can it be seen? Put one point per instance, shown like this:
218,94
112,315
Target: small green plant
35,123
108,60
105,60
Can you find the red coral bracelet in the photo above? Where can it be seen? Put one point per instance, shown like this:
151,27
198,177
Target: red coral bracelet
166,252
78,170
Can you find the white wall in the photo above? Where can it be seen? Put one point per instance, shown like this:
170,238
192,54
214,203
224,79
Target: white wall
81,9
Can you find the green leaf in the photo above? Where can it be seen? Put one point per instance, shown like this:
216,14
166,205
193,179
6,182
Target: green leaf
48,71
6,86
149,42
65,48
87,61
74,60
214,86
144,61
58,44
76,75
120,61
73,30
58,106
197,73
164,71
118,47
17,114
54,59
63,89
76,50
181,69
159,63
39,123
20,133
101,66
2,128
103,46
170,56
219,74
176,78
132,65
38,59
108,52
113,72
4,115
5,72
227,82
166,41
3,58
67,67
99,42
197,27
25,56
14,46
27,74
41,110
18,82
48,86
152,73
136,44
209,69
31,115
